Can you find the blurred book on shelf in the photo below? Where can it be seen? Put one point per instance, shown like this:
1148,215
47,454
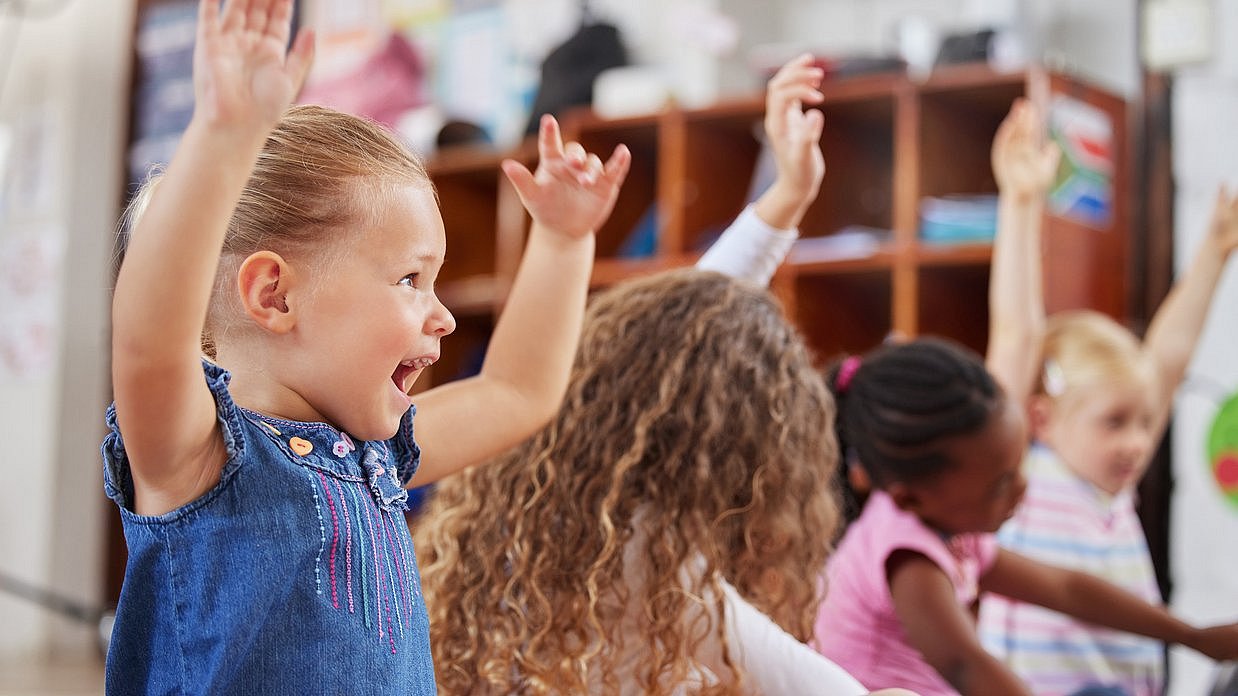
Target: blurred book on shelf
850,242
961,218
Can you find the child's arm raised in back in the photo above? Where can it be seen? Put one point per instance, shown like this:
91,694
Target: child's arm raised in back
942,630
526,369
243,82
1024,169
753,249
1176,327
1089,598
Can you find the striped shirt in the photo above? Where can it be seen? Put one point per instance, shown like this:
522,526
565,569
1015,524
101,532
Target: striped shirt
1066,521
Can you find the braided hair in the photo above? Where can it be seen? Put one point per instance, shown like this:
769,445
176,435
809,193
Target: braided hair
898,406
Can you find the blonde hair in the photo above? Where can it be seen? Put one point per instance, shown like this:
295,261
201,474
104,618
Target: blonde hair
301,195
1085,348
694,420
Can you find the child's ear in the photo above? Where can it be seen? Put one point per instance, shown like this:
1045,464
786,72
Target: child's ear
1040,413
858,479
264,280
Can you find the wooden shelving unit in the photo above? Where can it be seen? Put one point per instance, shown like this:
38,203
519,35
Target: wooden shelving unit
888,142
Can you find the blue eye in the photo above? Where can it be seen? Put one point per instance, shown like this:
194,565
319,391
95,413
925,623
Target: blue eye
409,280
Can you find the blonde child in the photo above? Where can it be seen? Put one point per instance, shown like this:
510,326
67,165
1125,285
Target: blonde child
1098,402
942,447
660,535
262,504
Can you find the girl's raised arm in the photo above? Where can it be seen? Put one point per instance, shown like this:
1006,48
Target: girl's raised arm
527,365
1175,329
244,79
1024,169
755,244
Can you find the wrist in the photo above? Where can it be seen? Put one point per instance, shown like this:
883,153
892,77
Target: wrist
225,137
562,240
781,207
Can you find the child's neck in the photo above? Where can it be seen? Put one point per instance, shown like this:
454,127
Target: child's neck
257,387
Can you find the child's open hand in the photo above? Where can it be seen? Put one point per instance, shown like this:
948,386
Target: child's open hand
243,72
572,192
1022,164
795,134
1223,231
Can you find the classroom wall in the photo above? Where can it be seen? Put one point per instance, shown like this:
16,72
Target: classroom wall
62,113
1204,523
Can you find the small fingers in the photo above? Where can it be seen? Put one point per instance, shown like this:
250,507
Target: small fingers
616,167
814,125
279,21
575,155
208,15
259,13
592,170
549,139
522,179
300,57
234,15
798,68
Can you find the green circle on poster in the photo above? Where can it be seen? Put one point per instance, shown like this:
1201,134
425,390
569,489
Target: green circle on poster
1223,449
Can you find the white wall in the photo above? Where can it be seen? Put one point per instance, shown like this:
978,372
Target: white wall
65,104
1204,555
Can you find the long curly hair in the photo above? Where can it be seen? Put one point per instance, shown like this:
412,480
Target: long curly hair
695,422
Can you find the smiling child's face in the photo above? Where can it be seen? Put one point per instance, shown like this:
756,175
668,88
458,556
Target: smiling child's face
1103,433
984,485
375,321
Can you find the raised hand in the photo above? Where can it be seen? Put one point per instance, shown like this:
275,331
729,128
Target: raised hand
1023,164
243,72
1223,229
795,134
572,192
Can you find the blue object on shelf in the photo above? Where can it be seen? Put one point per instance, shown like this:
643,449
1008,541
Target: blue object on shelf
642,242
952,219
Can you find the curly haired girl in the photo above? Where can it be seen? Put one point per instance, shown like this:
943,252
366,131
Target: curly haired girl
689,470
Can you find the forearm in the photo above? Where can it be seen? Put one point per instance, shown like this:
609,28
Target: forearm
1094,600
1178,323
165,283
782,206
1016,304
534,343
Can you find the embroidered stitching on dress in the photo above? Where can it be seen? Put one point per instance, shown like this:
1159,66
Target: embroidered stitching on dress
347,543
335,539
362,525
378,583
322,534
393,604
399,572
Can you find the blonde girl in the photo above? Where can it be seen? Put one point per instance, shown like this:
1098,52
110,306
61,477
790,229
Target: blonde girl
262,491
1098,400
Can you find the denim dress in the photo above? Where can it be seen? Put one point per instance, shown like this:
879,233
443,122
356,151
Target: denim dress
294,575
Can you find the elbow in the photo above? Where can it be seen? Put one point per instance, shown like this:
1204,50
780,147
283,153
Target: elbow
537,405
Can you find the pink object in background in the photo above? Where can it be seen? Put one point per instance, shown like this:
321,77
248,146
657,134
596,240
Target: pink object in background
382,87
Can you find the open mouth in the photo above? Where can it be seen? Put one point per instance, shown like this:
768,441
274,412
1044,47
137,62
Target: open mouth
406,372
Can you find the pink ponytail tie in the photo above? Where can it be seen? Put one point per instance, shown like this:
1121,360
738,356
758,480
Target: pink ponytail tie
846,372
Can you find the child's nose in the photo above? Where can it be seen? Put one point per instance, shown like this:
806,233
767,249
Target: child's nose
441,322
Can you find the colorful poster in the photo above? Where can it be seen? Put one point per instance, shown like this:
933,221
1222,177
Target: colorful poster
1083,190
1223,449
